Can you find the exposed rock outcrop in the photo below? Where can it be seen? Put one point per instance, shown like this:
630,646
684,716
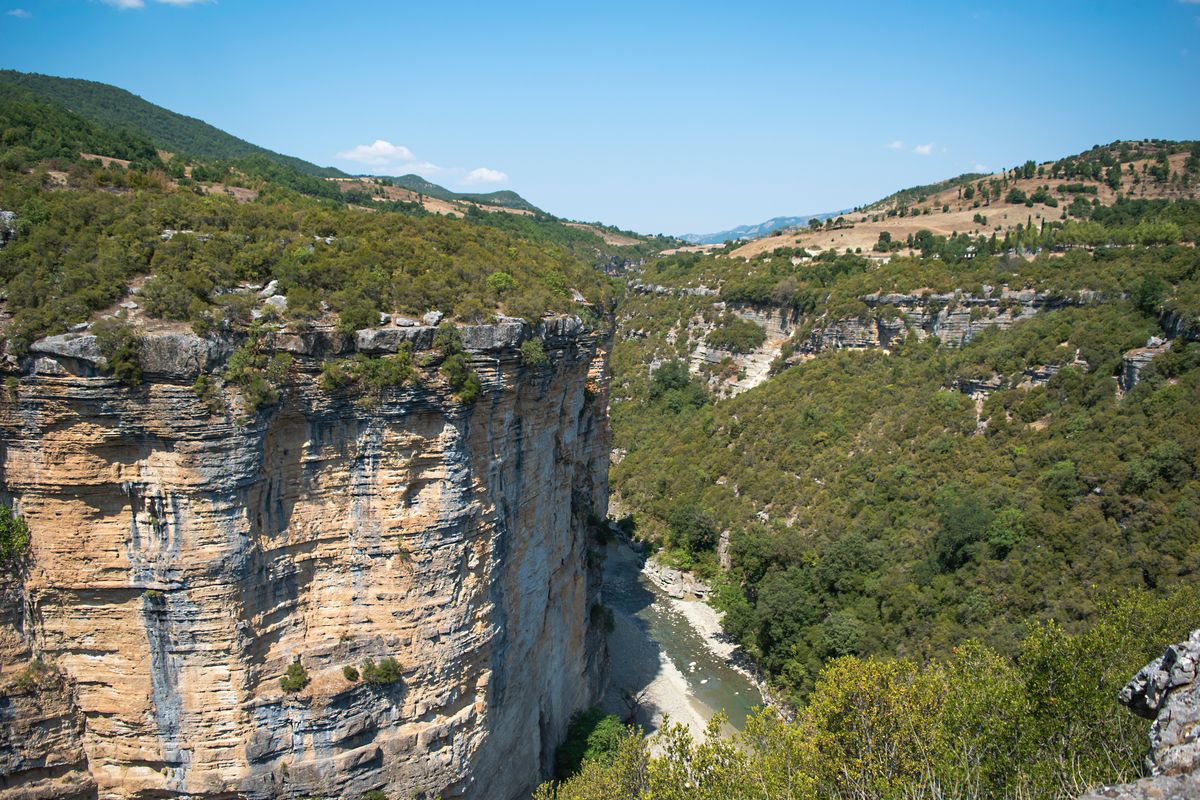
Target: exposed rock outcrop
676,583
884,322
181,560
747,369
1136,360
1166,690
953,318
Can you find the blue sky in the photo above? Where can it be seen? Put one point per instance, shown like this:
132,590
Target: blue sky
672,117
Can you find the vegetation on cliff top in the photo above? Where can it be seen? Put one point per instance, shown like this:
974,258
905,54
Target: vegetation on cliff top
197,228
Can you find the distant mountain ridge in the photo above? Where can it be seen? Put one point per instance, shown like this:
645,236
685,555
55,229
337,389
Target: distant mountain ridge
757,231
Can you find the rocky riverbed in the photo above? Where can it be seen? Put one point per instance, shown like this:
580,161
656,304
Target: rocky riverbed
668,653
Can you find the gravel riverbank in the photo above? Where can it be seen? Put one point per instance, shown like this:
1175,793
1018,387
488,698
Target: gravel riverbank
669,653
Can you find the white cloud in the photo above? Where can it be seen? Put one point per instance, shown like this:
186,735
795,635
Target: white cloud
19,13
981,168
923,149
895,145
485,175
380,153
127,5
396,158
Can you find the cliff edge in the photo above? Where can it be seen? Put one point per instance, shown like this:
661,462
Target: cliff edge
185,556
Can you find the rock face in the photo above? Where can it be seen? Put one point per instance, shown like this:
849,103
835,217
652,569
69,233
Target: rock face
1166,690
748,369
181,560
885,321
1136,360
954,318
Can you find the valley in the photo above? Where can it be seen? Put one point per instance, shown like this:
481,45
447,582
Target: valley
326,485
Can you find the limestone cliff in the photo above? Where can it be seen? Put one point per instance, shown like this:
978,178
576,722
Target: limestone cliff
182,559
884,320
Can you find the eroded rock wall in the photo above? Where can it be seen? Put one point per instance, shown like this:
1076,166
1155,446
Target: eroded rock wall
181,560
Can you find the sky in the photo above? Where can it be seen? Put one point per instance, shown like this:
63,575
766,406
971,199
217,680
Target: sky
671,117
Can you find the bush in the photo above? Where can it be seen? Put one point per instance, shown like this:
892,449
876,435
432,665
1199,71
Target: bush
736,335
350,673
256,373
693,530
592,735
122,348
385,673
533,354
463,381
36,676
295,679
14,535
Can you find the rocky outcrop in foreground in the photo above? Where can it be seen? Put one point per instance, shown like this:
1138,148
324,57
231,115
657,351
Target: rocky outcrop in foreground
1166,691
185,552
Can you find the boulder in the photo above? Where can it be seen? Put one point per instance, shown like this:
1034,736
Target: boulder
1165,690
504,335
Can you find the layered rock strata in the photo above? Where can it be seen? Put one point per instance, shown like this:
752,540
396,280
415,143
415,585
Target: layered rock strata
886,320
182,559
954,318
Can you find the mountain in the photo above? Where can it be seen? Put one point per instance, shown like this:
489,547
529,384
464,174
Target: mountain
177,133
756,231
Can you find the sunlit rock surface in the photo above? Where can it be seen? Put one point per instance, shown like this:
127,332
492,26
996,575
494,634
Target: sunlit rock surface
181,560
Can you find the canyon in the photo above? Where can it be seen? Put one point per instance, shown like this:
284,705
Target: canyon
182,560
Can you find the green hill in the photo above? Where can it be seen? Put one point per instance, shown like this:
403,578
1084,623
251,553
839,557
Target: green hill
116,108
505,198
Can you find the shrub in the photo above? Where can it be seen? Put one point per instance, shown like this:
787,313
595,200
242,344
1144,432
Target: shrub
736,335
350,673
295,679
208,390
463,381
533,354
36,676
121,347
592,735
14,535
256,373
501,282
385,673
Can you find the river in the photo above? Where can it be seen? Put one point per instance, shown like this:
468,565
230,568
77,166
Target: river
659,654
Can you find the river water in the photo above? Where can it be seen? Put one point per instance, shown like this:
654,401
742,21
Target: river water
656,652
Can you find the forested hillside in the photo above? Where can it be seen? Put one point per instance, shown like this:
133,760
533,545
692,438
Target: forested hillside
904,499
118,109
98,213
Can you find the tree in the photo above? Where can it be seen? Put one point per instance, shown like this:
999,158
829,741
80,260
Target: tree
964,520
693,529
